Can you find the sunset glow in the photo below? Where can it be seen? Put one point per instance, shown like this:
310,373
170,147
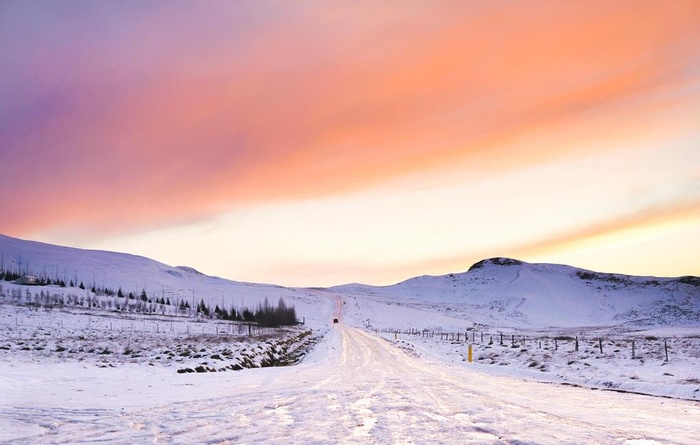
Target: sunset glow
358,141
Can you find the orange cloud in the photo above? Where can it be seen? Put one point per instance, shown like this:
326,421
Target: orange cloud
657,219
148,129
643,218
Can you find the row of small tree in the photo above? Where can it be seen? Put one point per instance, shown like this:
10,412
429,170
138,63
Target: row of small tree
271,316
7,275
264,315
50,300
221,313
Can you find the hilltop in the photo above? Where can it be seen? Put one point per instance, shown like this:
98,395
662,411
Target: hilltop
493,292
509,292
136,274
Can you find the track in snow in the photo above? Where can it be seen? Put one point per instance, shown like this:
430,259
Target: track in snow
357,388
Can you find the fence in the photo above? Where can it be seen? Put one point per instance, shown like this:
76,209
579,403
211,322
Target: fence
176,326
634,347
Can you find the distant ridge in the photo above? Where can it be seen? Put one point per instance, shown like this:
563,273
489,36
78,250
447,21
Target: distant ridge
498,261
188,269
131,273
495,291
583,273
511,292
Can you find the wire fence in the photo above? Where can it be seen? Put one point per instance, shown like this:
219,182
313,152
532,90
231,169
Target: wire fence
633,347
71,322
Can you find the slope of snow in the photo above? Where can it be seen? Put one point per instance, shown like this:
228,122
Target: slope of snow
353,388
135,274
646,371
504,292
60,385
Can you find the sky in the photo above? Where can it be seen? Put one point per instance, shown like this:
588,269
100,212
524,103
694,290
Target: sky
309,144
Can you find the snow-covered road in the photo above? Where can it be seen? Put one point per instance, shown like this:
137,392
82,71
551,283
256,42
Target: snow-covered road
353,388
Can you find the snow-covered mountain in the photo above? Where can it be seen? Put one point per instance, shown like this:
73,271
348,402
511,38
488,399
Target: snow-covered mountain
507,292
494,292
136,274
529,301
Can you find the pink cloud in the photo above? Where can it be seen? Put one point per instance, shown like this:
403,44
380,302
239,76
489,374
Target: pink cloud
120,118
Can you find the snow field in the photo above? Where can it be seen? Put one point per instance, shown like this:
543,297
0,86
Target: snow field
82,372
504,293
58,336
353,387
537,358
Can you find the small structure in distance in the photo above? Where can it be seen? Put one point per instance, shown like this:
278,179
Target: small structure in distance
28,280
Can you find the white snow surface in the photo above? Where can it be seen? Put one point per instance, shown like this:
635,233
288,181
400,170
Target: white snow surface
507,292
383,374
135,274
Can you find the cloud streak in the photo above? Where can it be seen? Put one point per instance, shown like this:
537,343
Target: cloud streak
116,118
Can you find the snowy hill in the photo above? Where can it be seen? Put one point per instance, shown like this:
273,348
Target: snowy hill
507,292
136,274
561,324
494,292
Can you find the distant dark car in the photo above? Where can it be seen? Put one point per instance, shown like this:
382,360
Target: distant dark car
335,320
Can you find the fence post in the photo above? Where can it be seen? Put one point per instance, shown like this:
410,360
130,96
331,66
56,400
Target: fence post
632,349
576,344
469,353
600,343
666,349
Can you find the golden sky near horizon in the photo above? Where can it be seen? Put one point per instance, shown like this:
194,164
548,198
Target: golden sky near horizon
300,144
